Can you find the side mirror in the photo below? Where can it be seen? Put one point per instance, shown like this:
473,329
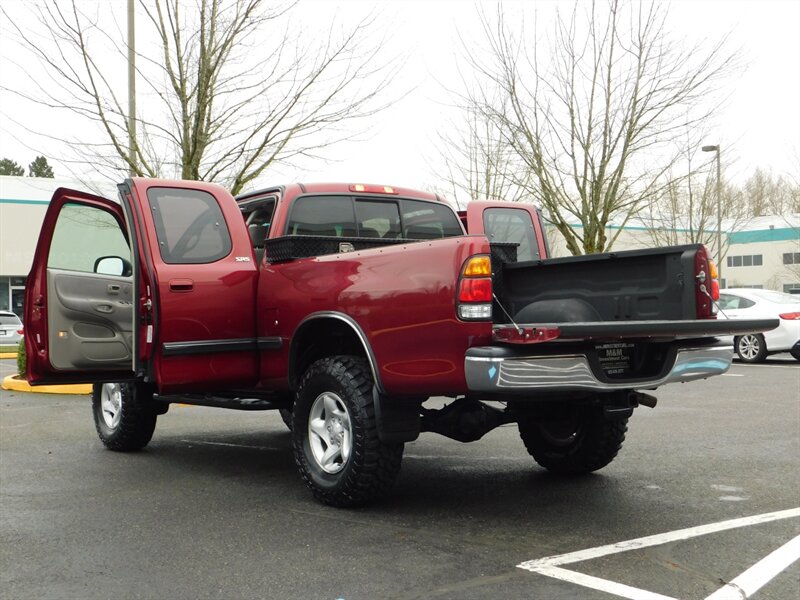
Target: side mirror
113,265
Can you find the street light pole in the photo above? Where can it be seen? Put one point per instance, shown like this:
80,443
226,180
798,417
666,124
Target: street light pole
719,205
131,90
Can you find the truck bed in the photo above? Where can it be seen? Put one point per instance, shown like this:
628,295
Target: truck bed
639,285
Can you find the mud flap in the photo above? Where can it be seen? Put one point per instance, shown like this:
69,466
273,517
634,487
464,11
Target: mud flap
397,420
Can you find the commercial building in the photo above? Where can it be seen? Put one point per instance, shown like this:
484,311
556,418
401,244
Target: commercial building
762,252
23,203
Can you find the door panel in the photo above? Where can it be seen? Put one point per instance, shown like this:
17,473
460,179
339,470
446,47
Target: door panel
80,324
90,320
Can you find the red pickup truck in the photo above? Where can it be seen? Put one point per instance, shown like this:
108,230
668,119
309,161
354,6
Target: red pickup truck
347,307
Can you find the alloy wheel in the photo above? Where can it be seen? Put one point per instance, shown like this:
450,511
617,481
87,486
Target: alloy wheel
111,404
749,346
330,432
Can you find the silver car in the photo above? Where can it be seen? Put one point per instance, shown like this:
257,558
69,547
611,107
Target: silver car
10,328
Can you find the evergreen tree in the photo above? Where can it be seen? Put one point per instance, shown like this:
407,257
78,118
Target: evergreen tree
40,168
10,167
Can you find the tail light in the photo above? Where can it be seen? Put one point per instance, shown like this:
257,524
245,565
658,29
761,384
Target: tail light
475,290
706,285
793,316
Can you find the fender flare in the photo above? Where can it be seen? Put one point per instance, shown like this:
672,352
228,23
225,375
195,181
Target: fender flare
353,324
397,421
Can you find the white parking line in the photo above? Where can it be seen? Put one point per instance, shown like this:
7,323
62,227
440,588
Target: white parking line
602,585
760,573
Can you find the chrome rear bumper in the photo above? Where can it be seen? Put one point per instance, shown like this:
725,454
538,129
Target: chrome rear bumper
488,370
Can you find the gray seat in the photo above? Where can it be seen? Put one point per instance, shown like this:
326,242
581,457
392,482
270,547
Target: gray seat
369,232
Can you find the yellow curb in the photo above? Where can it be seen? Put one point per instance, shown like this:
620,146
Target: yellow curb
20,385
8,355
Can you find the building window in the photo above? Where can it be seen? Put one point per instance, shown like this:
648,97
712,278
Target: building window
747,260
791,288
791,258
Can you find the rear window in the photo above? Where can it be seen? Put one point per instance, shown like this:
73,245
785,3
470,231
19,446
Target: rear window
10,320
344,216
730,302
326,215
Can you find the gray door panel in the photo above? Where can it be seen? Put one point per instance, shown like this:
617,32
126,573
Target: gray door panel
90,320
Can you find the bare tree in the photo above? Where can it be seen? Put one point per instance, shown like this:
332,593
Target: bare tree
478,162
594,114
232,87
766,194
685,211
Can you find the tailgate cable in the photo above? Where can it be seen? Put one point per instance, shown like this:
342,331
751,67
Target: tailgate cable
714,302
496,299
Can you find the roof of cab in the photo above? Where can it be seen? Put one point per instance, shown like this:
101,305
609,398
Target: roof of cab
372,190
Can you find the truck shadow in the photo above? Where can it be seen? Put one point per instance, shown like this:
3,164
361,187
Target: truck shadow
467,483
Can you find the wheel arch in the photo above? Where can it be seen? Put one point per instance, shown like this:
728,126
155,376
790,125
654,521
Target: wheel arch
325,334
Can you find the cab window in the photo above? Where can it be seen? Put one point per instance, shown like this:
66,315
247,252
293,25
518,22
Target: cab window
344,216
189,226
325,216
377,219
512,225
428,220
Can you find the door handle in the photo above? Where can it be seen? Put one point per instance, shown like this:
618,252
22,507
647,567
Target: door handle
113,288
181,285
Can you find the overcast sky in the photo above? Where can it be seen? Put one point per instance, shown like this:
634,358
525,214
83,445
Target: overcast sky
758,126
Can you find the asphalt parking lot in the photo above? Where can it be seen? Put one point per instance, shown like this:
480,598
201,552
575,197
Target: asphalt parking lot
704,492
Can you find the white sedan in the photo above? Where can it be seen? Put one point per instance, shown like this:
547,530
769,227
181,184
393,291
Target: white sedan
747,303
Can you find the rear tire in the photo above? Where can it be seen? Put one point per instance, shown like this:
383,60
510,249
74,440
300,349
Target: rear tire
582,441
795,352
335,438
751,348
124,415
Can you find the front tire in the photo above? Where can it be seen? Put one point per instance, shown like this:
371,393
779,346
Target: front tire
751,348
335,437
580,441
124,415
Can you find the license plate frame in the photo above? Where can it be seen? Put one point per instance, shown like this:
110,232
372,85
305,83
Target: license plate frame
616,358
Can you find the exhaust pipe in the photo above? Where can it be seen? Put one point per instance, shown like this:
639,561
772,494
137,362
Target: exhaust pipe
637,398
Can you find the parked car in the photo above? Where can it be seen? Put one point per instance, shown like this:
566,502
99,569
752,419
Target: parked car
746,303
10,328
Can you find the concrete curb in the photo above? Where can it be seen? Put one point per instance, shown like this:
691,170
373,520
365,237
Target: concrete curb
8,355
20,385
